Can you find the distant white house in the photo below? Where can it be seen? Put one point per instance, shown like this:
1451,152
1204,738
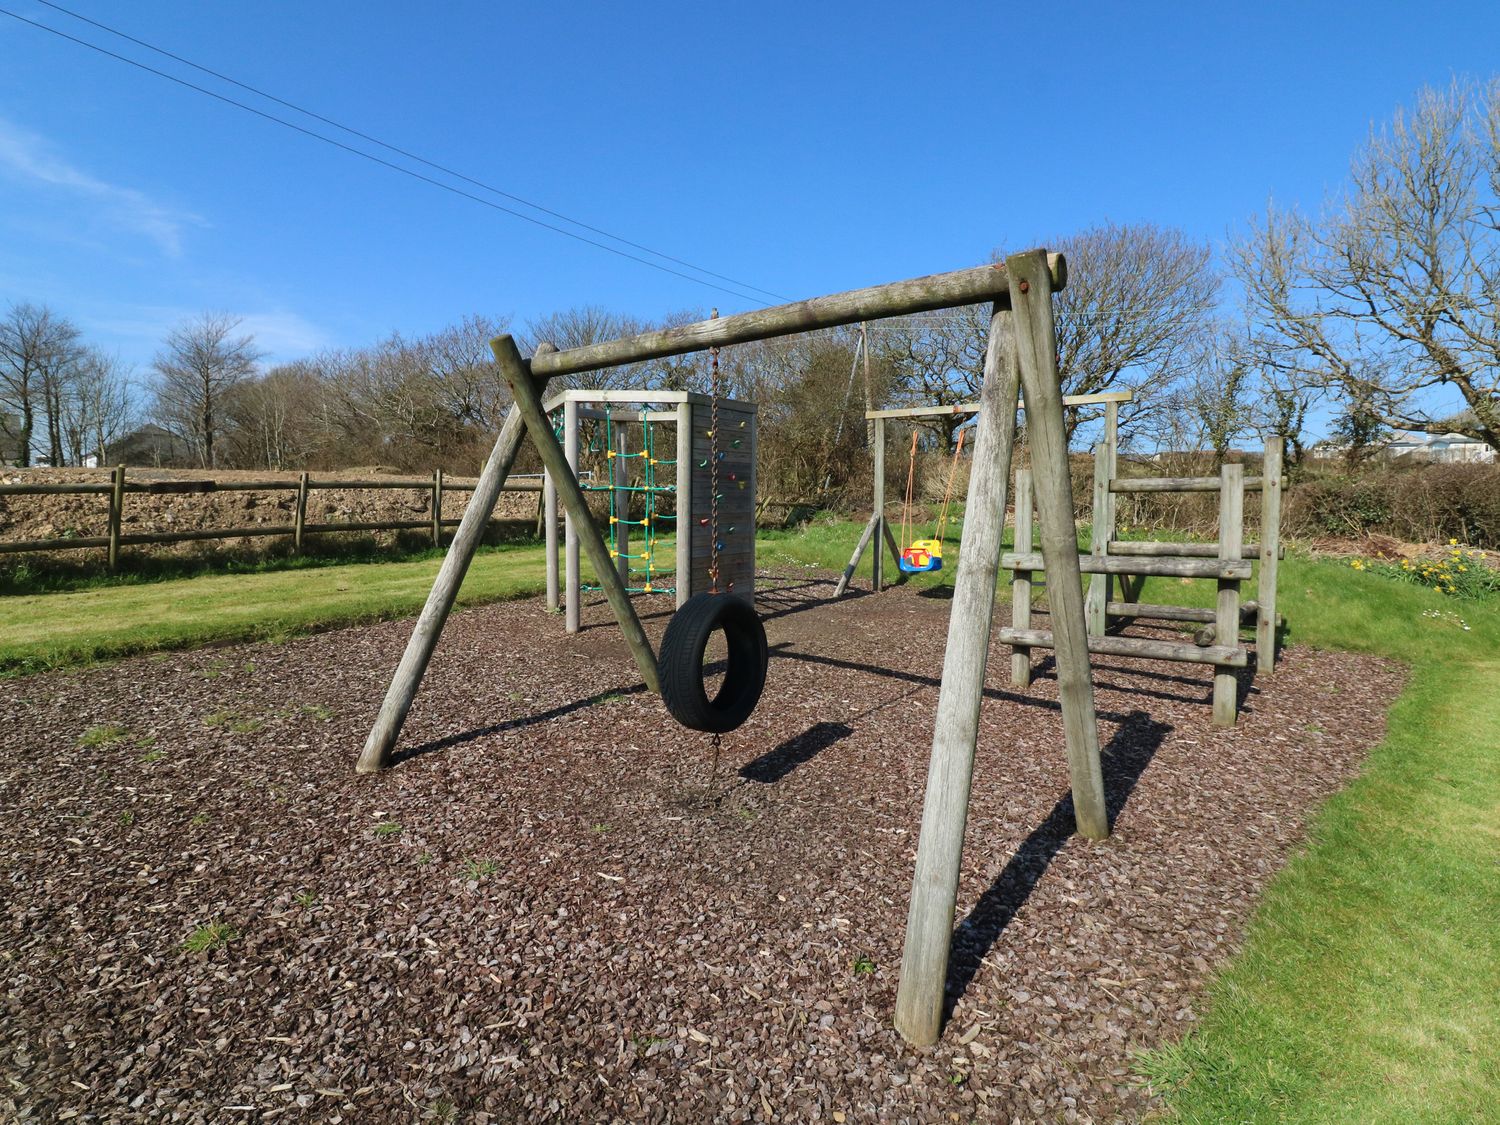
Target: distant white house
1450,447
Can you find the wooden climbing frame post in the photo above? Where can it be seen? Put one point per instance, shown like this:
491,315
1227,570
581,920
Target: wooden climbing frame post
1020,587
1102,529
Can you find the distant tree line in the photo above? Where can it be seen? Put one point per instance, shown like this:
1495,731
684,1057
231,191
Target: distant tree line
1384,311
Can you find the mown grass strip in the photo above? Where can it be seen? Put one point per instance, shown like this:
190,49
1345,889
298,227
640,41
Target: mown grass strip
43,631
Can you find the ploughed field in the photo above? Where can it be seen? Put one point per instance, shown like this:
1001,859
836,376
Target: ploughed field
560,905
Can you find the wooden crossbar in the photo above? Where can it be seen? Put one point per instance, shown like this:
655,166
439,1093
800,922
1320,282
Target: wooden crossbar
1177,484
899,298
1232,656
1160,568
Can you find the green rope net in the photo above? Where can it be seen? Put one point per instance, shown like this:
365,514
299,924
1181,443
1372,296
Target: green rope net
641,564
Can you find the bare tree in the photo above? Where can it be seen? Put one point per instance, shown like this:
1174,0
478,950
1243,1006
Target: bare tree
201,361
98,408
37,351
1213,405
1138,299
1392,300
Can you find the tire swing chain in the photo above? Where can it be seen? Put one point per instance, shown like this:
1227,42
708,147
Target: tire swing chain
716,739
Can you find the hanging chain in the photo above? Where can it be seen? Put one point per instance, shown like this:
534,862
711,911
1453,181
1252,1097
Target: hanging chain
713,467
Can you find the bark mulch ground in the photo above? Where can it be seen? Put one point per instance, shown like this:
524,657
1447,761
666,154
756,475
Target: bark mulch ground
559,906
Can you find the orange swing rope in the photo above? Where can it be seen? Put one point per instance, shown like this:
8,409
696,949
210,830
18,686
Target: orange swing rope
942,524
911,475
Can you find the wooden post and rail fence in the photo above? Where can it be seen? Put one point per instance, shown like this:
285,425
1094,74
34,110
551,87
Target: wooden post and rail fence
119,486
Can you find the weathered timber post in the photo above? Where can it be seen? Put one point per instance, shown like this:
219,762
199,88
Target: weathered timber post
1099,542
1270,556
403,689
116,514
876,567
437,507
1020,587
622,505
299,517
859,549
529,403
1036,349
683,524
934,893
549,516
1103,522
570,521
1227,619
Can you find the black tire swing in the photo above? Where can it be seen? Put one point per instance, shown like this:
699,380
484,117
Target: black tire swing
679,664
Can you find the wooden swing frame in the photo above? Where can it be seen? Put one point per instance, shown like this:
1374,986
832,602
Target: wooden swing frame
1021,350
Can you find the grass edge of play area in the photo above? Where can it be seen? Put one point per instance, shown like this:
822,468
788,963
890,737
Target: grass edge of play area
1369,981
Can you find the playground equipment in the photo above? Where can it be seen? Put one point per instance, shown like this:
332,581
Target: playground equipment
661,462
1021,350
878,529
919,556
1227,561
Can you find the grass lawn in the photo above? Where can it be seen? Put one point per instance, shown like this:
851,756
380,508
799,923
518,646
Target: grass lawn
1369,987
39,631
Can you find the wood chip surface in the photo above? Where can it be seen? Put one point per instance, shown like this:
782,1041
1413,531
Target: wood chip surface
580,915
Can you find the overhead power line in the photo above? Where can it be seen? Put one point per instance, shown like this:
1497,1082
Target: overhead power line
391,148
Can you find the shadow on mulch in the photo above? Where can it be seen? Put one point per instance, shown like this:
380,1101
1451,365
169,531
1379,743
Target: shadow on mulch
942,593
774,765
783,651
515,724
1124,760
781,606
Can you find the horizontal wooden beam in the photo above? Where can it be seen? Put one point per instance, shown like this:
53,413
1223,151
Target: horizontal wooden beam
1158,548
1178,484
55,489
920,294
1150,611
1154,611
196,487
1157,568
973,407
1231,656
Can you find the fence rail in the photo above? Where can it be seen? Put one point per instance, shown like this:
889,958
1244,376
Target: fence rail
119,487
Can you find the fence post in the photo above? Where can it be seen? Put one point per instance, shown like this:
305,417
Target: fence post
1270,556
1227,617
437,507
299,518
116,512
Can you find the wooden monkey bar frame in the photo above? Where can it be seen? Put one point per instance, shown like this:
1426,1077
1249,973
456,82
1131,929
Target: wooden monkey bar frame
1227,561
1021,351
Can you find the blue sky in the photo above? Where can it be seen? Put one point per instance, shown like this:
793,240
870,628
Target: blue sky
803,148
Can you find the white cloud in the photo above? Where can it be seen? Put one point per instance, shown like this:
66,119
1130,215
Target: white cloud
281,335
26,156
